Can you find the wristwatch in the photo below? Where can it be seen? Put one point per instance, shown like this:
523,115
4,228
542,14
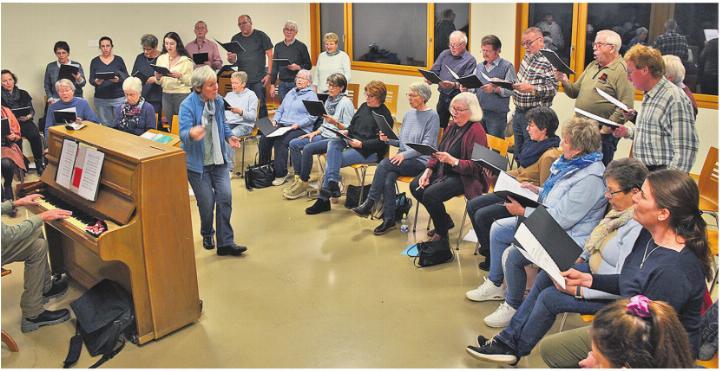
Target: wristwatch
578,292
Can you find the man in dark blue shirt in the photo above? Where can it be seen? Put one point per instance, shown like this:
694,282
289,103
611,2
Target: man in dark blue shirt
257,47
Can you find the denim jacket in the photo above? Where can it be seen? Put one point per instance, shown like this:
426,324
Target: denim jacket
191,110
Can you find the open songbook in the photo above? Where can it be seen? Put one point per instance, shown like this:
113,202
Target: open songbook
200,58
597,118
470,81
269,130
430,76
422,148
505,84
232,46
65,116
612,100
384,126
557,62
490,159
543,241
507,186
67,71
79,169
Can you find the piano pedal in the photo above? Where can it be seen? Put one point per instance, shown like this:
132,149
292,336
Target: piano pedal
97,229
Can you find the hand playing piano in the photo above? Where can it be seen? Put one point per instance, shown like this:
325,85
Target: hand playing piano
55,214
28,200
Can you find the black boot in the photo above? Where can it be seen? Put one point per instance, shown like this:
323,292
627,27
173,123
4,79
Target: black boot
48,317
334,189
58,289
365,208
322,204
39,167
385,227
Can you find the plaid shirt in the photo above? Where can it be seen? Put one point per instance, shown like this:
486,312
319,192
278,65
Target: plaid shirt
673,43
536,70
665,128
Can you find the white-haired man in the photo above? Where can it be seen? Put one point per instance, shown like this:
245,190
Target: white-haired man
608,72
289,57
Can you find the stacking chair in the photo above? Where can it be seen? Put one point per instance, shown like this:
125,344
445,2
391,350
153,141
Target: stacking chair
353,90
708,183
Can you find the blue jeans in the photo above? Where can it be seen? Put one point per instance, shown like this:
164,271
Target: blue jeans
515,276
212,193
519,124
609,145
259,89
284,87
338,156
501,236
302,151
537,313
495,123
384,182
280,144
106,109
483,211
238,131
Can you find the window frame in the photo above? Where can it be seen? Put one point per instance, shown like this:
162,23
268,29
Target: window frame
394,69
578,45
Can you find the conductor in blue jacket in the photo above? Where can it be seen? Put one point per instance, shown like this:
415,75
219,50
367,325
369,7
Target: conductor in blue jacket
204,136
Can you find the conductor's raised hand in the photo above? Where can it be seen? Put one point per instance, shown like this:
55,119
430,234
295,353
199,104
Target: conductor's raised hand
197,132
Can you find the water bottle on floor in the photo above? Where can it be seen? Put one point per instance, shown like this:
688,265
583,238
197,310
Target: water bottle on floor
403,224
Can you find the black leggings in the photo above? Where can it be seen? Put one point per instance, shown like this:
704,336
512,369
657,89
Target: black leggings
434,196
8,171
30,131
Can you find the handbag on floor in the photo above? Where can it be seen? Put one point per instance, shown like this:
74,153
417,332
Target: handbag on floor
259,176
352,197
104,320
433,253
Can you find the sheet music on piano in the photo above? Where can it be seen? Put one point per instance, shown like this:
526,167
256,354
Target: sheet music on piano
79,169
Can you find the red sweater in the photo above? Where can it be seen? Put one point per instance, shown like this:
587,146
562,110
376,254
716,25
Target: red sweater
471,173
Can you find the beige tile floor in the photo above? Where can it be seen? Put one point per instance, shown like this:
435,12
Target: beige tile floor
312,291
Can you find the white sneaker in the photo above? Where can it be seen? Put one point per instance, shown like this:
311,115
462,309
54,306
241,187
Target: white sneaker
486,291
501,317
280,181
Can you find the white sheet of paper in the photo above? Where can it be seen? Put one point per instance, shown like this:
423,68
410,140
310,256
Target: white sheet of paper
507,183
90,179
710,34
471,236
71,109
67,163
454,75
280,131
596,117
612,99
533,251
147,135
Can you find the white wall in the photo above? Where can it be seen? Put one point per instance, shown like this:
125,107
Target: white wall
30,30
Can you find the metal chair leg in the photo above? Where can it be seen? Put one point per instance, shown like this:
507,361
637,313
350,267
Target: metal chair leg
562,322
417,209
462,225
363,171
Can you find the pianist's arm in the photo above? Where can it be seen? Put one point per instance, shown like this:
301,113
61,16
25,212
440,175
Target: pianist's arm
19,231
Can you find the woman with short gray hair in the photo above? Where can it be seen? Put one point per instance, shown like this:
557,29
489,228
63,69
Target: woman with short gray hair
205,136
243,110
420,125
142,69
332,60
675,73
66,92
134,115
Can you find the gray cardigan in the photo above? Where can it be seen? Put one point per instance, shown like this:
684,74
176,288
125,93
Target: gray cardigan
417,127
51,76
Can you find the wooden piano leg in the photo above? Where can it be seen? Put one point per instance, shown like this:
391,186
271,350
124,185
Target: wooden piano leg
7,340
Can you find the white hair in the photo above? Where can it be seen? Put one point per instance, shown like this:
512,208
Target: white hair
305,74
64,82
611,37
460,36
200,76
472,103
292,25
674,69
132,83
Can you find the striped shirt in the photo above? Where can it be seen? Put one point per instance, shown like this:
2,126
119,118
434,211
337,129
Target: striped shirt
665,128
536,70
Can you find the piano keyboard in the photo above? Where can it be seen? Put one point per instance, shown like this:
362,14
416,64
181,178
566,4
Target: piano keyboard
79,219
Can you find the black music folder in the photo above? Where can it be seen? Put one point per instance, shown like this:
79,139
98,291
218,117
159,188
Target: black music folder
160,69
200,58
5,128
267,128
506,186
505,84
67,71
314,107
21,111
470,82
490,159
232,46
106,75
422,148
384,126
282,62
544,242
323,97
226,105
65,116
430,76
557,62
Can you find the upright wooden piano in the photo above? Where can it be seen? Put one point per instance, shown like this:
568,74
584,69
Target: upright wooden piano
148,247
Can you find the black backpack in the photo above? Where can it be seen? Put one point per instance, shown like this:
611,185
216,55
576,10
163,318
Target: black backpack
104,320
433,253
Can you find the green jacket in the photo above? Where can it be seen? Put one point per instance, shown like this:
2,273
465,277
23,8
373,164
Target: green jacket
20,231
612,79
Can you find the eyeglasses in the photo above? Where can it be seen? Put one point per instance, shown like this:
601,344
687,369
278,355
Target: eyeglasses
458,110
611,194
289,30
528,43
412,95
597,45
455,46
243,23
